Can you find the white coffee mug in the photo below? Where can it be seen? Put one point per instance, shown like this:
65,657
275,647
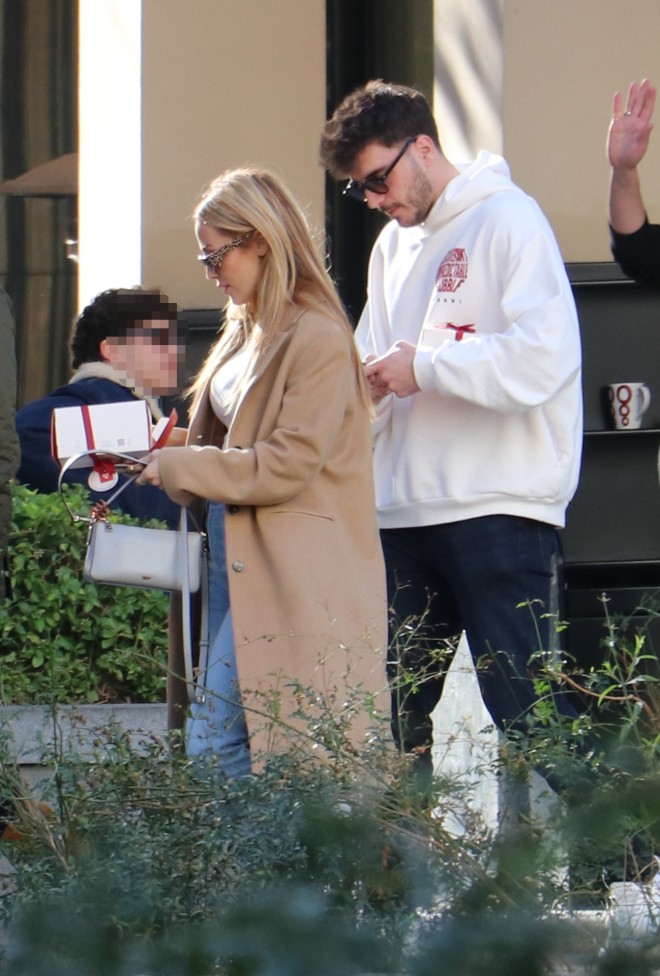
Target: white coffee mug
629,402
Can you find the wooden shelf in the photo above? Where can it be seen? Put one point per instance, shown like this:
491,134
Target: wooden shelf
623,433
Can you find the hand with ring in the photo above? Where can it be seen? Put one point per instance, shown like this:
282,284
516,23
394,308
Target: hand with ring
629,132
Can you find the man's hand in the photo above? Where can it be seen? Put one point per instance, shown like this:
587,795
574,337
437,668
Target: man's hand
378,391
393,372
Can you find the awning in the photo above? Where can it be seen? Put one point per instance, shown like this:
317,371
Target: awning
56,178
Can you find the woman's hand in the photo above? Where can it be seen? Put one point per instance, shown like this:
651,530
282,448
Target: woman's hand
151,473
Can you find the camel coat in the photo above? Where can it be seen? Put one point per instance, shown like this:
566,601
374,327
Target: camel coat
306,572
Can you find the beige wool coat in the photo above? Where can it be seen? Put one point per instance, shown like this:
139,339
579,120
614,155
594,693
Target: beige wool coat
306,572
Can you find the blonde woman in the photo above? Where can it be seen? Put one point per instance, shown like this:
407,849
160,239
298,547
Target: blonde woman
280,446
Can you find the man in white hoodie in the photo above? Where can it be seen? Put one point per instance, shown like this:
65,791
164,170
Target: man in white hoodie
472,351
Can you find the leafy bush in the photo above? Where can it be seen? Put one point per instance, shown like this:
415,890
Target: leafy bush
151,863
68,641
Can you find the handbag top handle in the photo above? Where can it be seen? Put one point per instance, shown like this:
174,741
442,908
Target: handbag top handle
127,461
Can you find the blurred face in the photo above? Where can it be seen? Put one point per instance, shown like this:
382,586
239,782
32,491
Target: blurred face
149,357
410,194
234,262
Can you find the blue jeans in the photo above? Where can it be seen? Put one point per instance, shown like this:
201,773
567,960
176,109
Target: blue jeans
498,578
217,726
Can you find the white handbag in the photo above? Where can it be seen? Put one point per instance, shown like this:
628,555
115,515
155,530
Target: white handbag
149,558
132,555
135,555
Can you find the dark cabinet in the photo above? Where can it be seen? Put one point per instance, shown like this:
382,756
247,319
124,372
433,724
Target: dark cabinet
198,330
612,536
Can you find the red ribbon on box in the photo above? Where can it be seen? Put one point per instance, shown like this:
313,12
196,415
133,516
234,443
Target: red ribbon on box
103,466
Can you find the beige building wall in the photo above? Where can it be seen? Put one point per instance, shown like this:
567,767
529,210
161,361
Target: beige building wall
534,79
222,84
225,84
468,71
564,59
211,84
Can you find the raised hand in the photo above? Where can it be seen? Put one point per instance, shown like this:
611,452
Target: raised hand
629,131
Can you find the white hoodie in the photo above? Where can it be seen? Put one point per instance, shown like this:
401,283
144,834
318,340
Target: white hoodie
480,288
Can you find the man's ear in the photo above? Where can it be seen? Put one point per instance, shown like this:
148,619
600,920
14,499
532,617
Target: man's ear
425,146
103,350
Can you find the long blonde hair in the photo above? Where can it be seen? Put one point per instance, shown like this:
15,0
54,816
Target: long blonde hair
243,201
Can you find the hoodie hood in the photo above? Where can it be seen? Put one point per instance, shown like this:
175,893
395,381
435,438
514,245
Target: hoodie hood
486,175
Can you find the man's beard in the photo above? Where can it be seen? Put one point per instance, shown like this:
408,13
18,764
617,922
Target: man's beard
420,198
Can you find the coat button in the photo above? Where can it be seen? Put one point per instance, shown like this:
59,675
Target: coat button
233,509
238,567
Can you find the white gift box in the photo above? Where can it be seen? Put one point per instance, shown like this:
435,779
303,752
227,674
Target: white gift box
108,428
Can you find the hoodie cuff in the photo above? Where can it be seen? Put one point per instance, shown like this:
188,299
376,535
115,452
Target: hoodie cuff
425,375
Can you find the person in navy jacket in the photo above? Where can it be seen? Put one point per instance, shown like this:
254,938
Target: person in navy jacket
124,347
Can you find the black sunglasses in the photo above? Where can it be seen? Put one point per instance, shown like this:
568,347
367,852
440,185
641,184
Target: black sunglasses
375,184
162,336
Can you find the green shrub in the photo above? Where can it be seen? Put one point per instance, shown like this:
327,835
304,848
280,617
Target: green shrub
64,640
151,863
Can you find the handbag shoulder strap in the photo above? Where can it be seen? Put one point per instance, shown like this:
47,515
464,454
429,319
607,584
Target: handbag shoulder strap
195,692
186,612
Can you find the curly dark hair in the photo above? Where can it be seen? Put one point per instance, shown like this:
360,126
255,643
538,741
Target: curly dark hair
378,112
113,314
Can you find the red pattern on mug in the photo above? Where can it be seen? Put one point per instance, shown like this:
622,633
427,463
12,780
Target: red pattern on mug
628,402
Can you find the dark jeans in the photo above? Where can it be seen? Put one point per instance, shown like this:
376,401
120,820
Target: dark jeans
499,578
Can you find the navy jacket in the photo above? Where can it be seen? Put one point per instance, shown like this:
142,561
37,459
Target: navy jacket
40,471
